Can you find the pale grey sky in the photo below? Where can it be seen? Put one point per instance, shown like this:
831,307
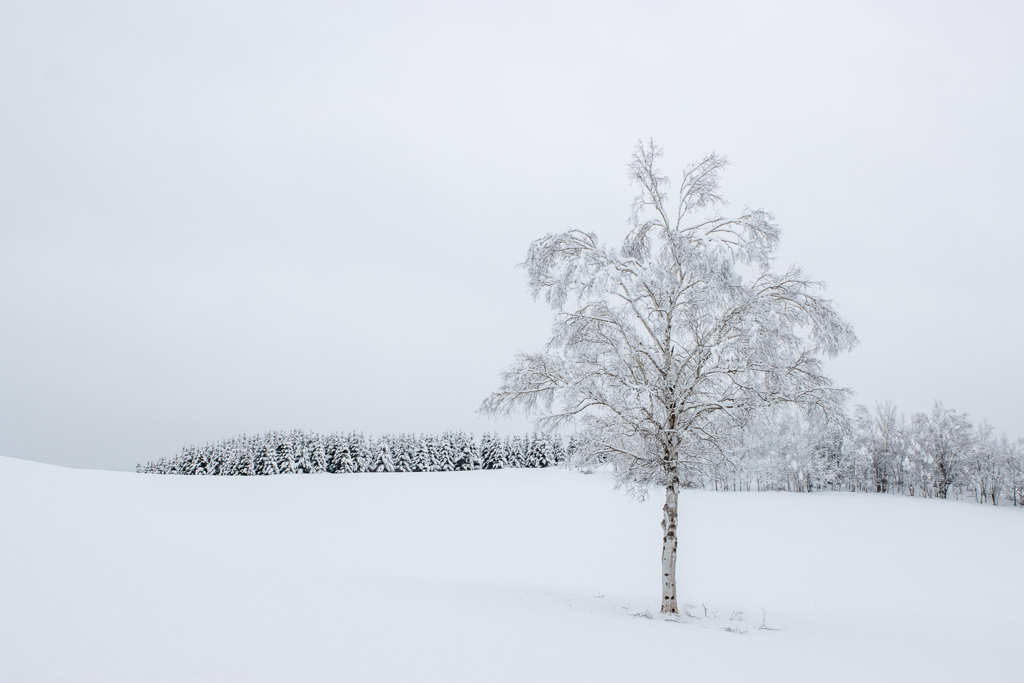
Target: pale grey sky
226,217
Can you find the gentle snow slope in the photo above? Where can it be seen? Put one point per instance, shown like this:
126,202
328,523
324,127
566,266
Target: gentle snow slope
528,575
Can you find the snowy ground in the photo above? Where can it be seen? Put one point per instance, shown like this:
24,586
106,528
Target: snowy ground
529,575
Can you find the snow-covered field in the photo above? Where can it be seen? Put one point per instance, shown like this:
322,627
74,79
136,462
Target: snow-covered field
526,575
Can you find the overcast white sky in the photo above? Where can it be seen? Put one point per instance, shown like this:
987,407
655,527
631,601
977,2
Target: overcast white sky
227,217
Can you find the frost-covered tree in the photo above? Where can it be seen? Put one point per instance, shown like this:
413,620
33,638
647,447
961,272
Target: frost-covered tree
488,450
944,442
382,461
343,460
331,445
431,446
468,453
535,455
779,451
500,454
873,461
1015,469
265,461
404,452
302,448
572,448
557,452
316,447
244,464
888,449
664,347
423,456
362,452
518,448
989,464
285,455
446,454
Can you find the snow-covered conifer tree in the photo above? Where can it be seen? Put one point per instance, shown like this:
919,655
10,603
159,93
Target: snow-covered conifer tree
316,452
346,455
300,448
266,459
446,455
331,445
402,452
557,451
382,459
517,450
488,445
245,465
426,454
468,453
285,456
534,455
361,453
499,454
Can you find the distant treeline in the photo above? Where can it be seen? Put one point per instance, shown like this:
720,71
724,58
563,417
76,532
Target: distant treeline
940,454
307,452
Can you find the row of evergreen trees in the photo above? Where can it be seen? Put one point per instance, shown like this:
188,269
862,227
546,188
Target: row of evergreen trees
307,452
938,454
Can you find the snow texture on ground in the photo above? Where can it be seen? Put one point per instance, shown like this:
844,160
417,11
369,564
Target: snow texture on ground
524,575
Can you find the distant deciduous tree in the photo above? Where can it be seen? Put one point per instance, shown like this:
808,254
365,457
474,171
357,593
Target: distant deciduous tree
944,440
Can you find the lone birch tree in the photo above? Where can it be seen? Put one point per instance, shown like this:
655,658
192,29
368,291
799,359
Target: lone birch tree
664,349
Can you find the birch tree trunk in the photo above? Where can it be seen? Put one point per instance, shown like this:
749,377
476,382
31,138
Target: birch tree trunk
668,551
